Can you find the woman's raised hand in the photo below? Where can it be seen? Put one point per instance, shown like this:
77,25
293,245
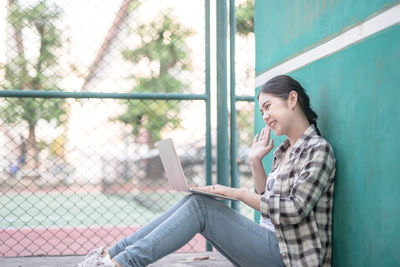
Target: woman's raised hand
262,145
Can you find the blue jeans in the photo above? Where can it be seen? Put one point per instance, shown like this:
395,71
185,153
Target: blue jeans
242,241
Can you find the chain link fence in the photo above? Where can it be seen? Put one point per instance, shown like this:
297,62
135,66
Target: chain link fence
91,180
78,173
245,77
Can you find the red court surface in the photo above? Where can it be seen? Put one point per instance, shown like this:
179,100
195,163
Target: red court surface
71,241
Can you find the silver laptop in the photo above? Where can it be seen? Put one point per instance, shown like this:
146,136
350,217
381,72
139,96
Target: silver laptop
174,172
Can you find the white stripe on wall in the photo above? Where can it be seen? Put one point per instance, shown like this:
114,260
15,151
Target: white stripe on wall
355,34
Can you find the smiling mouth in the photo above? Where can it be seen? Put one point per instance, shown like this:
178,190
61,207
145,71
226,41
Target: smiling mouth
272,124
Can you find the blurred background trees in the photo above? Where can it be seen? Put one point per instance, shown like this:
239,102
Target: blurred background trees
163,47
245,18
32,65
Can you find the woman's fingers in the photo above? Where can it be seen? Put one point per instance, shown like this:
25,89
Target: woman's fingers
268,135
271,144
265,131
261,135
264,136
212,188
255,138
207,188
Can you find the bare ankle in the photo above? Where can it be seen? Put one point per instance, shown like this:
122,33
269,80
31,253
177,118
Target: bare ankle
116,263
105,252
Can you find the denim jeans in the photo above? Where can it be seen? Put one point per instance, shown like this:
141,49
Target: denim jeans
240,240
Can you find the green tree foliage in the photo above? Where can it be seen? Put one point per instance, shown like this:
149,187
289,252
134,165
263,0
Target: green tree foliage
162,45
33,73
245,18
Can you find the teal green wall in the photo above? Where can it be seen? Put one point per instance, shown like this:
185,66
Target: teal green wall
286,28
356,93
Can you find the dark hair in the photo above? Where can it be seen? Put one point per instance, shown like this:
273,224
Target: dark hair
281,86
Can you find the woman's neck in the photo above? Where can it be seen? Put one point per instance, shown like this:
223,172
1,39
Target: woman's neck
297,130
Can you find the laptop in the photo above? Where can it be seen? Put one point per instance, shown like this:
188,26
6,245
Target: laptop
174,172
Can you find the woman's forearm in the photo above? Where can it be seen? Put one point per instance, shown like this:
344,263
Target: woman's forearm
249,198
259,175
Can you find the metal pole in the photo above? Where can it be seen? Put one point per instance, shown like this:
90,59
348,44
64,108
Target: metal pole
61,94
232,31
208,102
244,98
208,93
222,107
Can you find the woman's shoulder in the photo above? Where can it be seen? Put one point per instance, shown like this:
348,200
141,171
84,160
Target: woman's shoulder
318,140
319,143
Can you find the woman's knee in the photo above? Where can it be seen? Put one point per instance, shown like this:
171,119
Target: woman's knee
202,201
199,198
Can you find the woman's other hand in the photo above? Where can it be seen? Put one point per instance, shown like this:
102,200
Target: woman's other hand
221,189
262,145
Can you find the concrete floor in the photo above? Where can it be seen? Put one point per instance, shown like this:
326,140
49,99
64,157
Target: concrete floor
202,259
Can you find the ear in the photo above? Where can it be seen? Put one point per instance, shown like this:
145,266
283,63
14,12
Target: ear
292,99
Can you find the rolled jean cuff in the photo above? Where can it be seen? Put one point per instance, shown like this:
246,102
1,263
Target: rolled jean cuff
111,251
122,261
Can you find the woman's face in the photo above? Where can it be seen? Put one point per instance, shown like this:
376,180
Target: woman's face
276,113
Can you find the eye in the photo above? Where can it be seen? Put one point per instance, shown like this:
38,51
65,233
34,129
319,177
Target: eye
267,107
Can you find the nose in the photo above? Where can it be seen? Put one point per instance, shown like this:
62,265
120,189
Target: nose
266,116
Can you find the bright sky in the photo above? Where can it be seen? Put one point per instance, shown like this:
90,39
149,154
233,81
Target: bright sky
87,22
2,30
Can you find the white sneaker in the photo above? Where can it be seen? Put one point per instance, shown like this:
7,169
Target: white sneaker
97,261
97,251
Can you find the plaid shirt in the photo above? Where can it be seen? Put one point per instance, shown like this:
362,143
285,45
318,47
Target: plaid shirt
301,205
